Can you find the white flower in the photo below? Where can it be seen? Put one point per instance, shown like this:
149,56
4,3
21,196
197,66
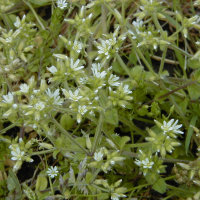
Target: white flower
98,156
8,98
144,163
74,66
17,154
39,106
62,4
96,71
82,109
169,126
17,23
55,96
77,46
75,96
52,69
104,48
24,88
126,90
112,80
147,164
83,80
52,171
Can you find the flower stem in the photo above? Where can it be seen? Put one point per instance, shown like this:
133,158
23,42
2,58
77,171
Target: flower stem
162,61
97,133
35,14
70,137
124,66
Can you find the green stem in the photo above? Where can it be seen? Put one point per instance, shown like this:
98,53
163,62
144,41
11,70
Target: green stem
113,12
35,14
69,136
146,144
138,187
157,24
43,152
183,52
94,175
162,62
123,12
179,190
124,66
97,133
106,133
177,32
132,126
51,186
103,19
141,55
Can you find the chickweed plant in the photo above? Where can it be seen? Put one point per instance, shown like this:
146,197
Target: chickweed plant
99,99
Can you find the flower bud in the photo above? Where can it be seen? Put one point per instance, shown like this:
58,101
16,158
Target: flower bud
21,46
46,145
184,166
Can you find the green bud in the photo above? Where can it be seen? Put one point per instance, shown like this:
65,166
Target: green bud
46,145
184,166
179,17
191,174
21,46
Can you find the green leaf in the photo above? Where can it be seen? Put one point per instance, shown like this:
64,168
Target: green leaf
197,75
190,132
41,183
194,64
137,71
13,184
40,2
117,68
66,121
111,116
160,93
160,186
123,141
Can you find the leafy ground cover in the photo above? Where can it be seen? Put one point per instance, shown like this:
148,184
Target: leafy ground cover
99,99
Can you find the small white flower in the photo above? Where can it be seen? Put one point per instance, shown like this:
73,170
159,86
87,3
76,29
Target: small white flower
169,126
24,88
52,171
96,71
17,23
8,98
62,4
74,66
83,80
147,164
112,80
17,154
104,48
55,96
39,106
74,96
126,90
98,156
77,46
52,69
82,109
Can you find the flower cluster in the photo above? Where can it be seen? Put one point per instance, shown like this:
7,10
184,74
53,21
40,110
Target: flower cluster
115,191
149,8
81,24
165,141
20,152
186,22
108,162
108,48
149,164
